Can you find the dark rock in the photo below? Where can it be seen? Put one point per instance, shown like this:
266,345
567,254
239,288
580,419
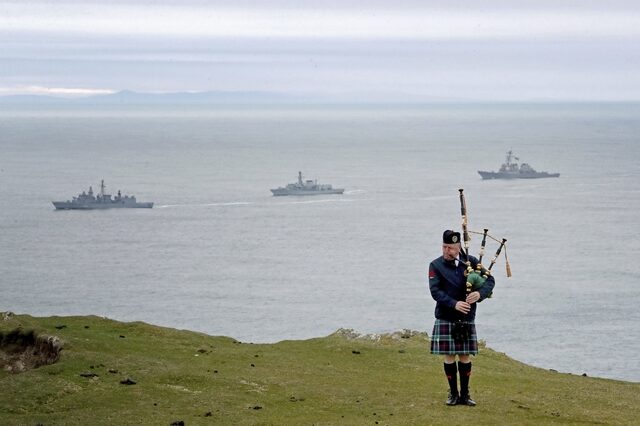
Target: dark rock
88,374
60,326
215,371
127,381
355,352
177,423
401,351
122,336
202,351
113,371
208,414
584,374
257,407
86,326
22,350
253,365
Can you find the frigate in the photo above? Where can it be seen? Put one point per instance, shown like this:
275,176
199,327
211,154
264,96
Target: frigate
89,201
510,169
306,187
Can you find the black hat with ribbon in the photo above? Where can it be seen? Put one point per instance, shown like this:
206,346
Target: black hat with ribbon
450,237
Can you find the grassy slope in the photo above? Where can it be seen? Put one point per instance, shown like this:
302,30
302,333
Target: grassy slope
201,379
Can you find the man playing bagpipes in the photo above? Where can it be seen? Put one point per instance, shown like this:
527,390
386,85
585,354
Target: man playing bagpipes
454,331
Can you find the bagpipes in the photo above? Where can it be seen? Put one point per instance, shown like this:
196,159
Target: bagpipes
477,277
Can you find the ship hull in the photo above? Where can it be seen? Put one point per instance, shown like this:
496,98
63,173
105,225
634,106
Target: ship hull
516,175
64,205
280,192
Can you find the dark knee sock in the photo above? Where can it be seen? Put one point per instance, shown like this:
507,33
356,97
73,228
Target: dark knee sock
452,377
465,374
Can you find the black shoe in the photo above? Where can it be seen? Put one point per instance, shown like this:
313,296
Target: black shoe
452,399
466,400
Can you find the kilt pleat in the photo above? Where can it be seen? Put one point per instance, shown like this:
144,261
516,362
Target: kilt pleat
443,343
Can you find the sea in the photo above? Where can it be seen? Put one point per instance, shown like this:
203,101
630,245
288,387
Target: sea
219,254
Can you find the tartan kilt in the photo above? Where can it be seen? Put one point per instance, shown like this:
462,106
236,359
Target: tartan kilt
442,342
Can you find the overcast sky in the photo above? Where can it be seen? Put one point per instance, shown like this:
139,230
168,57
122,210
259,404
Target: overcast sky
348,50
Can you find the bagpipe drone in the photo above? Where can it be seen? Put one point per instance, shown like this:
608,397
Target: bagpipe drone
477,277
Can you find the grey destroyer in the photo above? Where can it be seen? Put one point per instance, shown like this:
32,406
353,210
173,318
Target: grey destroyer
89,201
306,187
510,169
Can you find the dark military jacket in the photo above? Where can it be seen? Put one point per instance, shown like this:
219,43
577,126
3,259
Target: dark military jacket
447,284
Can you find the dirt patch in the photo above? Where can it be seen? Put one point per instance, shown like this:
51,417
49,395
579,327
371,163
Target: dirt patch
23,350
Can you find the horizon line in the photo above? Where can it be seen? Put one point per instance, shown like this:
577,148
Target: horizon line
79,95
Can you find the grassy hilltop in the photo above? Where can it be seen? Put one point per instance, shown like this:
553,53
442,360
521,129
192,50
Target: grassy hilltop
110,372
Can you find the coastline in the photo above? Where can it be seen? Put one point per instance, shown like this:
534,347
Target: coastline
138,373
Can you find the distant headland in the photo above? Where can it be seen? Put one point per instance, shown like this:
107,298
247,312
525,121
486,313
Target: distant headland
128,97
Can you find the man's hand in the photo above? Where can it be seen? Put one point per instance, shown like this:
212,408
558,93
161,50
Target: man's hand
463,307
473,297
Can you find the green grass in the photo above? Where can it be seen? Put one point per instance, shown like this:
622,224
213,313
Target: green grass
200,379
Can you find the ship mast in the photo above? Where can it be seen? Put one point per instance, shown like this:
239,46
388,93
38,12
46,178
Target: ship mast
300,178
102,188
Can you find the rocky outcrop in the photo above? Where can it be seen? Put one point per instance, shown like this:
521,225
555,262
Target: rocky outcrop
23,350
350,334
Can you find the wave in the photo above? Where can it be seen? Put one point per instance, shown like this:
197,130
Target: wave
337,200
233,203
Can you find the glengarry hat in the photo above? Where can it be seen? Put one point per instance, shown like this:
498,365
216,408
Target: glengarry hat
450,237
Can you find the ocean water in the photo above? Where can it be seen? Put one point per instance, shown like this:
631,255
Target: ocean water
220,255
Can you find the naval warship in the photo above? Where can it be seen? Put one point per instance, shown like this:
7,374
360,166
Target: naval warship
87,201
510,169
306,187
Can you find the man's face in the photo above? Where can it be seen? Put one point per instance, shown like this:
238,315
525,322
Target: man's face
450,251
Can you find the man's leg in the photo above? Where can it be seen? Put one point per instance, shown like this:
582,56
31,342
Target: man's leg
451,372
464,367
